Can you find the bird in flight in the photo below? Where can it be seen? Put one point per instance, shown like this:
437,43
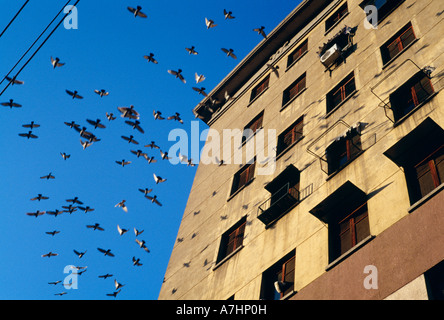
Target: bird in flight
74,200
117,285
139,153
177,74
209,23
102,93
52,233
130,139
106,276
79,254
142,245
39,197
158,179
199,78
55,213
64,155
110,116
36,214
106,252
72,124
152,145
69,208
137,12
31,125
128,112
164,155
157,115
200,90
48,176
154,200
96,123
95,226
74,94
85,144
86,209
150,58
136,262
49,254
121,231
145,191
56,63
60,293
114,294
123,162
55,282
228,14
261,31
28,135
122,205
13,80
229,53
137,232
135,125
176,117
192,50
11,104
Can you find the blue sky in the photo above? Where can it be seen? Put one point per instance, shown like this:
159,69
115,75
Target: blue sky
105,52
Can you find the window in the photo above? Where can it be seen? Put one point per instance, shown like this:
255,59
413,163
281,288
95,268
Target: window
434,278
410,95
294,89
343,150
336,17
278,280
290,136
397,43
384,7
261,87
341,92
251,128
345,212
243,177
284,190
297,53
232,239
421,154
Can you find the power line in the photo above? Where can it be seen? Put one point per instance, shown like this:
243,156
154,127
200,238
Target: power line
43,43
38,38
10,22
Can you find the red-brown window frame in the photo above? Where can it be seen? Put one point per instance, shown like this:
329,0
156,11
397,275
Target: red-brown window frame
432,165
352,150
295,130
294,89
297,53
335,17
243,177
235,239
398,43
351,219
282,274
341,91
261,87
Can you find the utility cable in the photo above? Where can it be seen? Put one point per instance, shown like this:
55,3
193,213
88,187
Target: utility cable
10,22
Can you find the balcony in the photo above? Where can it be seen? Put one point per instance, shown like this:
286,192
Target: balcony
278,204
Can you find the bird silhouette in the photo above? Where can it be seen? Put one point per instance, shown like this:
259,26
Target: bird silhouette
55,213
198,78
11,104
177,74
229,53
85,144
64,155
122,205
55,282
158,115
102,92
192,50
28,135
150,58
74,94
56,63
106,252
36,214
96,123
117,285
158,179
70,209
135,125
114,294
39,197
79,254
137,232
210,23
130,139
60,293
137,12
145,191
154,200
228,14
164,155
176,117
142,245
128,112
105,276
121,231
110,116
261,31
86,209
13,80
139,153
200,90
136,262
152,145
49,254
31,125
123,162
48,176
95,226
52,233
74,200
72,124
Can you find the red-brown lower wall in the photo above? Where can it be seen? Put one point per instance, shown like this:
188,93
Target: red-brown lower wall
400,254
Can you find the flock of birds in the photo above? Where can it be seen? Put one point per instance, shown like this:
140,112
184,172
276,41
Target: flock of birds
131,117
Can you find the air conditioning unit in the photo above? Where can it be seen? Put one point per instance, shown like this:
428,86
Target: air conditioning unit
331,55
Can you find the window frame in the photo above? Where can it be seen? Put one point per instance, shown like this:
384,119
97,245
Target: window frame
238,229
300,84
260,88
353,148
237,184
282,147
388,8
299,52
336,17
341,89
386,56
253,126
277,272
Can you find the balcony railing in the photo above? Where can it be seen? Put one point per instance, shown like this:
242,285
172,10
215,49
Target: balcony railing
278,204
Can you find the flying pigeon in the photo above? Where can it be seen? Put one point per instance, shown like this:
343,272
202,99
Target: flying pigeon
49,254
85,144
86,209
200,90
209,23
14,80
117,284
28,135
72,124
228,14
105,276
229,53
136,262
36,214
52,233
177,74
158,179
137,12
56,63
70,208
11,104
157,115
130,139
74,94
64,155
152,145
123,162
106,252
154,200
137,232
142,245
128,112
39,197
145,191
31,125
150,58
48,176
96,123
79,254
55,213
122,205
150,159
192,51
176,117
121,231
135,125
102,93
110,116
261,31
114,294
199,78
164,155
95,227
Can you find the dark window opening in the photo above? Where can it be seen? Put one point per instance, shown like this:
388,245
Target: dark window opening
410,95
254,125
243,177
297,53
261,87
232,239
290,136
278,280
384,7
336,17
343,151
341,92
397,43
294,89
434,278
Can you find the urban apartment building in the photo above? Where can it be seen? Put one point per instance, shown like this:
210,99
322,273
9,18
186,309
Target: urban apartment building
354,208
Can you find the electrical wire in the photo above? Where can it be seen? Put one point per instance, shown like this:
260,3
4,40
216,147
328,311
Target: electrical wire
10,22
41,45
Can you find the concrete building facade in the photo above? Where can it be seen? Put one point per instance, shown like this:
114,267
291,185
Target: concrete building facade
350,109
